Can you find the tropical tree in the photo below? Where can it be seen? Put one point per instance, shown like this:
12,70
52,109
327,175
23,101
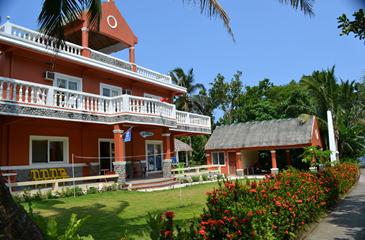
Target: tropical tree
345,101
185,102
356,26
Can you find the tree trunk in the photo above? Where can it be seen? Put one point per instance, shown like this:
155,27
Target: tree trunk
14,220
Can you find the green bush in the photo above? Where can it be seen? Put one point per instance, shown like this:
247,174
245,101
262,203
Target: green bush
195,178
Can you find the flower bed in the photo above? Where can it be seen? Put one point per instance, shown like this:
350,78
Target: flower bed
274,208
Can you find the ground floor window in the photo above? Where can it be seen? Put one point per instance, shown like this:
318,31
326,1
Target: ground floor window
218,158
45,149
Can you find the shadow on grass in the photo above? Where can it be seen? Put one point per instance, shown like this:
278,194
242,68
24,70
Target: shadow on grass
105,223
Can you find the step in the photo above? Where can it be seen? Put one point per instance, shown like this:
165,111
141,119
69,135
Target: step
154,184
149,181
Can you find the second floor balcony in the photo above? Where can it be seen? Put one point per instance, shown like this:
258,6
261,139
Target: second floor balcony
23,37
24,98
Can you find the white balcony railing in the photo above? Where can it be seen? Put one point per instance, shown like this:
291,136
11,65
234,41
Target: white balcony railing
33,94
41,40
191,119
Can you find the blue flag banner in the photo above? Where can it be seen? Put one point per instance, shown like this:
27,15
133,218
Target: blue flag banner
127,136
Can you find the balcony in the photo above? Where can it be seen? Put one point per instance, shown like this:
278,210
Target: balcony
23,98
15,34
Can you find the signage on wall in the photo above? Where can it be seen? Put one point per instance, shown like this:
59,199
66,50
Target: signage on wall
145,134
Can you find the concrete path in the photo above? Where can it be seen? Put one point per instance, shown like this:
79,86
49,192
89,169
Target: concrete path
347,221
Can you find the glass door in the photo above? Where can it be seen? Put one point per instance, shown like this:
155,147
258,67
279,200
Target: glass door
154,156
106,155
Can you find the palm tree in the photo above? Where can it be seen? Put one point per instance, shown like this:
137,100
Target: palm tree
56,13
346,104
185,102
14,220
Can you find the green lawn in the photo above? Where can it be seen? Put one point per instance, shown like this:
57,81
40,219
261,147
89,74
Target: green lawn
114,214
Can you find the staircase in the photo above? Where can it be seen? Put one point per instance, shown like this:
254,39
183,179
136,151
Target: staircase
145,184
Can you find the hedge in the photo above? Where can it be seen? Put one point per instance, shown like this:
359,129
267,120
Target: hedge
277,207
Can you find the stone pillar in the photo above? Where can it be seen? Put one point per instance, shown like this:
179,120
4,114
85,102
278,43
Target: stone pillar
239,165
288,157
274,169
119,161
166,163
132,58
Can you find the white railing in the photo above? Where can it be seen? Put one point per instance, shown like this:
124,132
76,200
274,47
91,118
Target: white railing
24,92
39,39
154,75
189,119
151,106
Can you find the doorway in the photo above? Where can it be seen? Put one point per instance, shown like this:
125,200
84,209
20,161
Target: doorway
106,155
154,155
232,163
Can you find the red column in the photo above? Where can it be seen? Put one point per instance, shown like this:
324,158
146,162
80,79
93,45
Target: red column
85,37
118,143
209,158
288,158
166,163
273,159
132,58
239,164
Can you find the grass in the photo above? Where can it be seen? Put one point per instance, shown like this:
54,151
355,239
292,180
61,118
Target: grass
112,215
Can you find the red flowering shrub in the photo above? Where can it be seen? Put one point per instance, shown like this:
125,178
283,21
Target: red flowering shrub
273,208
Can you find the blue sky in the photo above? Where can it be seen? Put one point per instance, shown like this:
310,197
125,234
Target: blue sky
272,40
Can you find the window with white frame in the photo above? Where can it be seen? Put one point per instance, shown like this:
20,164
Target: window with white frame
68,82
218,158
44,149
107,90
147,95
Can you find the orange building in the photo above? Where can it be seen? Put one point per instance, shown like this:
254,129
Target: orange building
77,103
235,148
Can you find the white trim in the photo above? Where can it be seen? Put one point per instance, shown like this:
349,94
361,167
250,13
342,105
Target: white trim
110,87
113,26
90,62
49,138
68,78
41,165
224,158
155,142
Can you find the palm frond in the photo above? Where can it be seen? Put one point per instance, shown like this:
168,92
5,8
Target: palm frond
55,14
305,6
214,9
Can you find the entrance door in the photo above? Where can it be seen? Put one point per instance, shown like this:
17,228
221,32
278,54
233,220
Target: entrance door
106,154
232,163
154,156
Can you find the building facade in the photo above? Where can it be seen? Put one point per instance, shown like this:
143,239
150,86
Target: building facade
77,103
235,148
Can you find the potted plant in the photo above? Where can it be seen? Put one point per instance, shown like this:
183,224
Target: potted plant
317,158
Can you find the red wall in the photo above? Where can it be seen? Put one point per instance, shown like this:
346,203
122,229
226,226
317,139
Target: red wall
82,138
30,66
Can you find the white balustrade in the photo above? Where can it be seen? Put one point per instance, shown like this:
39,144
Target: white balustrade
153,75
40,39
28,93
187,118
149,106
23,92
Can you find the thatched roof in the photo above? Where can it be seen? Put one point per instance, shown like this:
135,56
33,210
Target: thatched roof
283,132
181,146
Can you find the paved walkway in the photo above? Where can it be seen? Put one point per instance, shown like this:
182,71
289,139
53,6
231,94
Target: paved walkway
347,221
